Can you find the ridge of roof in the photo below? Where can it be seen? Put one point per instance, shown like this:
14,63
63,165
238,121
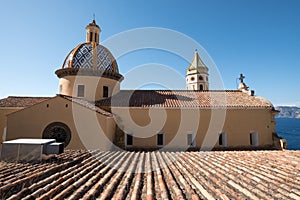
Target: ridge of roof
178,90
27,97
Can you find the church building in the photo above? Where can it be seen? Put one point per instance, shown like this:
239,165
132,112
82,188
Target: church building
92,112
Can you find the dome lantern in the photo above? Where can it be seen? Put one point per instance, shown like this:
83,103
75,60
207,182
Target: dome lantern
93,33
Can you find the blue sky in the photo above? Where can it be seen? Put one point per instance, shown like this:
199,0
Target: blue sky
259,38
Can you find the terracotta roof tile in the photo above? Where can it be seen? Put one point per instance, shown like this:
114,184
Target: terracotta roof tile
155,175
184,98
22,102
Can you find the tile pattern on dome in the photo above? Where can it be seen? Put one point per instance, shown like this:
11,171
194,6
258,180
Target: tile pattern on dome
104,61
83,58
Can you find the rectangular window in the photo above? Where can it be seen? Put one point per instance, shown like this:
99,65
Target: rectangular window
80,91
191,140
254,138
60,89
223,139
160,139
129,140
105,91
220,140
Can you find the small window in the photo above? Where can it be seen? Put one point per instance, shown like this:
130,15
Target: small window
200,78
201,87
220,140
129,140
206,78
254,139
60,89
192,79
80,91
223,139
105,91
191,140
160,139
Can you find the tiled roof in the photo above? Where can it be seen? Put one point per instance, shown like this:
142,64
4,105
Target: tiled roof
165,175
184,98
87,104
13,101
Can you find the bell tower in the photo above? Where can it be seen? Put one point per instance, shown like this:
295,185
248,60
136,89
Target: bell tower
197,74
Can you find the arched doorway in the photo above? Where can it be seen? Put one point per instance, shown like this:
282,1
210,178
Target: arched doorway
58,131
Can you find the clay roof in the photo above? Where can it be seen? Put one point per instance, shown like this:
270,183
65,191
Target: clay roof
14,101
165,175
87,104
185,98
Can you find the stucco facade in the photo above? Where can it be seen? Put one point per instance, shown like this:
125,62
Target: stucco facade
31,123
176,123
69,85
3,122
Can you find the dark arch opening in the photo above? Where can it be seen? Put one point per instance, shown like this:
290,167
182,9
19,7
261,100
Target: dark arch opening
58,131
201,87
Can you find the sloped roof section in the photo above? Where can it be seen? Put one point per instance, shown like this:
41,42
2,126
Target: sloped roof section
21,102
184,98
87,104
155,175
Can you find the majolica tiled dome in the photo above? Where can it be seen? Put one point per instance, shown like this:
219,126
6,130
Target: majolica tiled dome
82,57
90,58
